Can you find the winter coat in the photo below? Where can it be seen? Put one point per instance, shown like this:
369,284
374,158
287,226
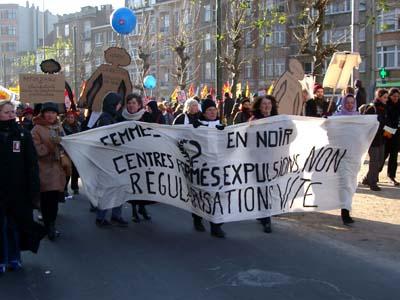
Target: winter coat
109,114
241,117
156,115
180,120
19,173
325,111
19,177
52,175
71,129
361,96
379,109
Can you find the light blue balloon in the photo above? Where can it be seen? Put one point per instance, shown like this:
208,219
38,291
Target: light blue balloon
150,82
123,20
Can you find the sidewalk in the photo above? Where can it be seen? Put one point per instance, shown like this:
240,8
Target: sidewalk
376,231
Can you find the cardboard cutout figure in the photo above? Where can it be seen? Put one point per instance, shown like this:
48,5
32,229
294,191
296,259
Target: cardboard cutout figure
109,77
287,90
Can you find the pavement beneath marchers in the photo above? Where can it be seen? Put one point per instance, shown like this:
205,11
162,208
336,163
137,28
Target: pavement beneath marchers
375,235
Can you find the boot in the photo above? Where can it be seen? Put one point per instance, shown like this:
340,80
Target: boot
143,212
135,216
217,231
346,217
266,223
52,232
198,225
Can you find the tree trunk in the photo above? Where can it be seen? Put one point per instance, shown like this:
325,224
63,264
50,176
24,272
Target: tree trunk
319,50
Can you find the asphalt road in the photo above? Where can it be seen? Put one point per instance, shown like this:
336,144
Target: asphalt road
166,259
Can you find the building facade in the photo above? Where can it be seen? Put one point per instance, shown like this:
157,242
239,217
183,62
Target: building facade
22,30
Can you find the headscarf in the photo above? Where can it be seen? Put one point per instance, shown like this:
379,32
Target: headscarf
344,111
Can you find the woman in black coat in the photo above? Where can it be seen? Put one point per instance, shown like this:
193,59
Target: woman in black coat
392,142
264,107
134,111
19,177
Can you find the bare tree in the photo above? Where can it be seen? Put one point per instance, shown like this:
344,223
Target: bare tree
144,41
185,44
242,19
310,34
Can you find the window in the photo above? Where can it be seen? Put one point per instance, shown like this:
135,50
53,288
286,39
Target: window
278,36
308,67
262,68
166,77
164,27
361,34
88,69
111,37
389,21
86,29
270,67
208,71
387,56
98,61
88,47
362,67
207,13
8,14
248,38
99,38
207,42
280,66
57,31
66,30
186,17
338,35
152,25
248,71
339,6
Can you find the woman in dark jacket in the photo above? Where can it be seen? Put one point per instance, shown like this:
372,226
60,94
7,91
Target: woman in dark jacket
112,103
264,107
209,118
244,113
191,113
156,115
19,177
72,126
377,149
392,141
134,111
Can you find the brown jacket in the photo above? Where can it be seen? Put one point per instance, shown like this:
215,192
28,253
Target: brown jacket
51,173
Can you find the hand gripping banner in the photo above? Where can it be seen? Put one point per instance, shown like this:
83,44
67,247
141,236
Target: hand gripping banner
272,166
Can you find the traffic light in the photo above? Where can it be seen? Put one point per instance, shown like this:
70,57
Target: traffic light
383,73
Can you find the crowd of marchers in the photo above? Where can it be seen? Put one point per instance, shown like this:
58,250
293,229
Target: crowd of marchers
36,172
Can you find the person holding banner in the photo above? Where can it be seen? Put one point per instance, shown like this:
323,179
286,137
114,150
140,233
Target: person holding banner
377,150
156,115
244,113
47,134
112,103
190,113
318,107
134,111
264,107
209,118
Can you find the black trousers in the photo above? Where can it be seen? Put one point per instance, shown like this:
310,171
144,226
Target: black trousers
49,206
74,179
197,218
391,150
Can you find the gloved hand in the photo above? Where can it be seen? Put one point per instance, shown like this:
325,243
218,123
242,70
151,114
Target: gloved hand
220,127
196,123
387,134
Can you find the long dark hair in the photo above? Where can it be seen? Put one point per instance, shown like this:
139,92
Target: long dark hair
257,103
393,91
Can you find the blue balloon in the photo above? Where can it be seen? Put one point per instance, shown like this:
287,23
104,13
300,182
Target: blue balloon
150,82
123,20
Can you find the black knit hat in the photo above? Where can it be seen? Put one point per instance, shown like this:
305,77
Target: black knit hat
207,103
49,106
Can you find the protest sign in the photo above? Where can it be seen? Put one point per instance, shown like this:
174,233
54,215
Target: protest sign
268,167
39,88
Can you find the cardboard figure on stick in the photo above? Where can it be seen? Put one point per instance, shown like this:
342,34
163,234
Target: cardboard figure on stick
287,90
108,77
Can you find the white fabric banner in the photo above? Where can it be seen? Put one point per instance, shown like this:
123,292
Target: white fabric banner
268,167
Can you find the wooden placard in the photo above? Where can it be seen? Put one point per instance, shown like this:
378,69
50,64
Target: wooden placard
40,88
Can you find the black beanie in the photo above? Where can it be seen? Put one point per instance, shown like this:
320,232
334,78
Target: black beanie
206,104
49,106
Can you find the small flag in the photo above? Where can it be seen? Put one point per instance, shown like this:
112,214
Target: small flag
204,92
247,89
238,90
174,95
191,91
